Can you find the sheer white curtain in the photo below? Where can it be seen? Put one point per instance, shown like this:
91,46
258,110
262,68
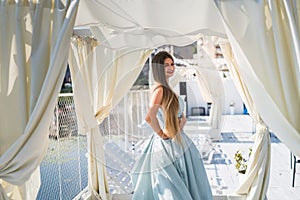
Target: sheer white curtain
211,90
265,41
256,182
101,77
211,87
264,36
34,41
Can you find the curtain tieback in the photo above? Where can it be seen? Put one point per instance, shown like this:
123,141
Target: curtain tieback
103,112
261,129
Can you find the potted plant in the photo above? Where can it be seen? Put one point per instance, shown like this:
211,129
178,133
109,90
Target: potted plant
241,161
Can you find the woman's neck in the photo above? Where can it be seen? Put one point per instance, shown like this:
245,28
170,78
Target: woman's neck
157,83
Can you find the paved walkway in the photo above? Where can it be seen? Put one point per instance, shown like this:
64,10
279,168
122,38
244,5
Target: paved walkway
236,135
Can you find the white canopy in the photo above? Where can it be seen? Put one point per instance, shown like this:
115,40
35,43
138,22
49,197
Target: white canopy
148,24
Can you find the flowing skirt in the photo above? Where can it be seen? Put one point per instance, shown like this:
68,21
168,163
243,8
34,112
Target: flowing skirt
167,169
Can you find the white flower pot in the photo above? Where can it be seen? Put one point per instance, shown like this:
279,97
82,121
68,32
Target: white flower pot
231,110
241,177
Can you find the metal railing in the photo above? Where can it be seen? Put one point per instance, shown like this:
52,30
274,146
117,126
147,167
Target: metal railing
64,168
64,121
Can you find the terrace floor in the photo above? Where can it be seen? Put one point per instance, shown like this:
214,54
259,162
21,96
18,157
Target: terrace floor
58,169
236,135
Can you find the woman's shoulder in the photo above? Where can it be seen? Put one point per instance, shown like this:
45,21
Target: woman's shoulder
156,95
156,87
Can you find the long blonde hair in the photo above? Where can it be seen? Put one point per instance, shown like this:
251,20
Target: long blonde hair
170,104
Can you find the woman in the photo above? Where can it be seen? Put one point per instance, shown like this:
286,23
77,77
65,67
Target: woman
170,166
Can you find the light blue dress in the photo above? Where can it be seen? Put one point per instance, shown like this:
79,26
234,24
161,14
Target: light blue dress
169,170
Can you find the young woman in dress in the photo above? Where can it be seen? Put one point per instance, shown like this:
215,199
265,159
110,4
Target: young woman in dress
170,166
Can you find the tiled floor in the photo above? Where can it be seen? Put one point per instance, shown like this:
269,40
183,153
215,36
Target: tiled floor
236,134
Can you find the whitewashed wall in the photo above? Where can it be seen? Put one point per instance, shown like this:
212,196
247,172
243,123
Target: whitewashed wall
231,95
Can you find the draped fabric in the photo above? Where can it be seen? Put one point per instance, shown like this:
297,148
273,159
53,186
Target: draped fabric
264,36
211,88
256,181
149,23
34,40
101,77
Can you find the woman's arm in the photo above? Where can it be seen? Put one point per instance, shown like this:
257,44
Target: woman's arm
182,121
154,105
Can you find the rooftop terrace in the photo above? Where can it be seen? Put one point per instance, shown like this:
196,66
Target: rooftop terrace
59,180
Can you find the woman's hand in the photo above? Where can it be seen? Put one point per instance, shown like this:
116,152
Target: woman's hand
163,135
